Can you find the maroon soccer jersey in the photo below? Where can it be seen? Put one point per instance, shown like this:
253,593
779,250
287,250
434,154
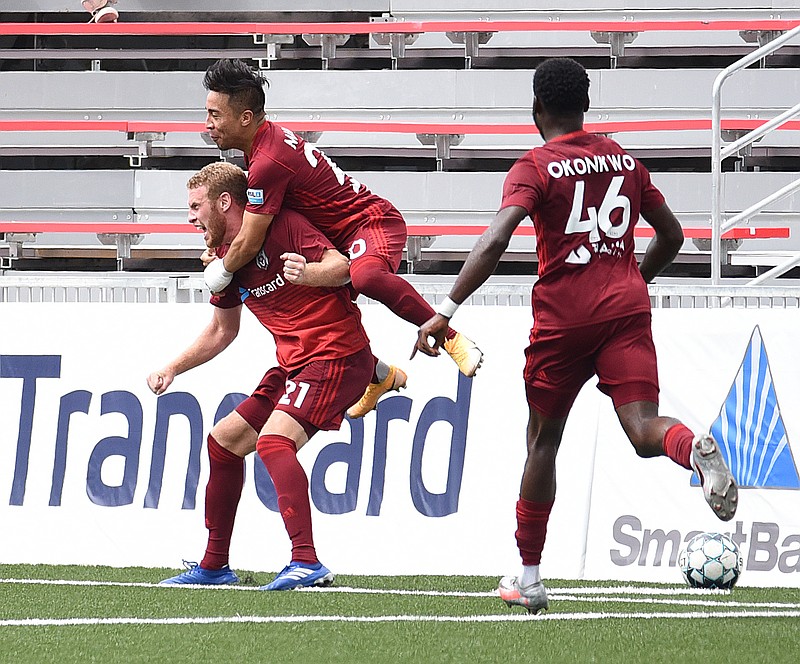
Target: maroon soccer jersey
308,323
286,172
584,194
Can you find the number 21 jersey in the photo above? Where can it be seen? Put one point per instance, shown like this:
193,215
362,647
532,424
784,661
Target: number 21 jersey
584,194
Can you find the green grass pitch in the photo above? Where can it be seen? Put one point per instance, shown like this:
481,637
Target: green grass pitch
99,614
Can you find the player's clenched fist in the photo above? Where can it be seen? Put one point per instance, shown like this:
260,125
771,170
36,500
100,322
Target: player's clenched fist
159,381
207,256
294,267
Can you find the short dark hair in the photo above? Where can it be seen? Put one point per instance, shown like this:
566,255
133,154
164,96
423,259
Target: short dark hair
562,85
243,84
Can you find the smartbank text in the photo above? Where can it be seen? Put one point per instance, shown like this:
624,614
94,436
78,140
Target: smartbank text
763,548
132,446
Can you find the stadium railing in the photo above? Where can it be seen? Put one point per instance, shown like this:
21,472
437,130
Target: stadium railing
498,290
718,224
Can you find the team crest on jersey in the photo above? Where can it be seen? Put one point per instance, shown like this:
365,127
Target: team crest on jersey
262,262
255,196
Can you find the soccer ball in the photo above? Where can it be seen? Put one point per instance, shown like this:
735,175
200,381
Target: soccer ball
711,560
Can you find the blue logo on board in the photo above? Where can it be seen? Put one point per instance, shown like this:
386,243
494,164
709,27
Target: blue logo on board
750,429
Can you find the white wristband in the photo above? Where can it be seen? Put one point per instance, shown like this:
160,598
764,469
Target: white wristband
447,308
216,276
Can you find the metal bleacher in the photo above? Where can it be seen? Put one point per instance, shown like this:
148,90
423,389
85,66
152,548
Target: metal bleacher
429,201
428,103
621,30
386,97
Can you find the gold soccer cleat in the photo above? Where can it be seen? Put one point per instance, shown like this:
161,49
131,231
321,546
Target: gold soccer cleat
465,354
395,379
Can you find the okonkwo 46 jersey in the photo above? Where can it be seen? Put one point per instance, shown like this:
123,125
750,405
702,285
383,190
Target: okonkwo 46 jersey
584,194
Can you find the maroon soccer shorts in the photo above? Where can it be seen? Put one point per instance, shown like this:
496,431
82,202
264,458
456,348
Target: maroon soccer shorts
384,236
318,393
619,352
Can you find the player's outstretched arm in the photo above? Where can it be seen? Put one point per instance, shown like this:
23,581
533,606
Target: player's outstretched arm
478,267
331,271
243,249
666,243
215,338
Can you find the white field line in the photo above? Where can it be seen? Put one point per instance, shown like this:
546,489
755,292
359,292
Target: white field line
72,622
595,594
589,594
678,602
619,590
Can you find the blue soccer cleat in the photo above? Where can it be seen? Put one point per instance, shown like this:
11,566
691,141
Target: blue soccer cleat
200,576
301,575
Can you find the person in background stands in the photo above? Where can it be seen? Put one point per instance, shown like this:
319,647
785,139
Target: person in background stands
101,11
591,307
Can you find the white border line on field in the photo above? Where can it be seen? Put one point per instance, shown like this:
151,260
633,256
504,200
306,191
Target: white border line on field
640,595
598,590
688,615
674,602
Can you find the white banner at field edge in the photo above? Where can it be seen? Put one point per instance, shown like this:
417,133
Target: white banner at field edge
94,469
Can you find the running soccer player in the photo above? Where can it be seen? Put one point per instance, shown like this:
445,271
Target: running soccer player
286,172
295,288
591,307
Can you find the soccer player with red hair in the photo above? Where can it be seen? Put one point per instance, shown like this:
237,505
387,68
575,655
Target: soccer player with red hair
295,286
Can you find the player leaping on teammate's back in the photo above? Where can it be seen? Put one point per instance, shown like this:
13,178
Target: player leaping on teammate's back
590,304
286,172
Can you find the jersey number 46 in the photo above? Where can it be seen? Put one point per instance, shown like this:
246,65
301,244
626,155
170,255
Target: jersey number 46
599,219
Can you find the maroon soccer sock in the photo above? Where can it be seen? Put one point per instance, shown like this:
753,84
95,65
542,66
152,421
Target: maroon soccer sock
279,455
371,276
678,444
532,518
223,492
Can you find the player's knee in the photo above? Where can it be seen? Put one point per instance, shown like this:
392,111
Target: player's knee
543,446
220,436
233,437
368,275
